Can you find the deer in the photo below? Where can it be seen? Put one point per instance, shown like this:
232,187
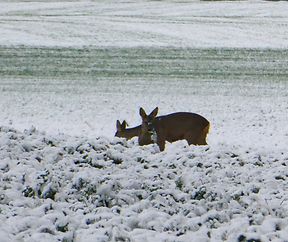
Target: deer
123,132
172,127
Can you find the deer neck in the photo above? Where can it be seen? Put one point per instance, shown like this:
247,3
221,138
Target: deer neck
154,136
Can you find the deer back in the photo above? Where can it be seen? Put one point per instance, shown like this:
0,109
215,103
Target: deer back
172,127
177,126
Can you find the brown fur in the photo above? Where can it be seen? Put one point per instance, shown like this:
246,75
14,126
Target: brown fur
172,127
123,132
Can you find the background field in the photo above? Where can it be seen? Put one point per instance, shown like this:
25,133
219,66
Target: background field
44,86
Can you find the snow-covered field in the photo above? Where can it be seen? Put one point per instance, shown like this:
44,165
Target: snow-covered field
69,70
247,24
64,188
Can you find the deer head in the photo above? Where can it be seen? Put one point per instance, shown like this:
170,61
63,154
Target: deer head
120,128
148,133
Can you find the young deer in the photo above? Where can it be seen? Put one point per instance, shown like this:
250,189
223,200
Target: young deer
172,127
122,132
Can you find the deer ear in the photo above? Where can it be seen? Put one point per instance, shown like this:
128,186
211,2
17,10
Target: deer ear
118,125
124,124
154,113
142,113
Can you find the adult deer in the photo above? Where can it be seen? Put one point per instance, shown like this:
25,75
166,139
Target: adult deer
123,132
172,127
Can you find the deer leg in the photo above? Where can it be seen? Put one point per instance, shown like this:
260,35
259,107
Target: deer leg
161,144
191,139
201,141
196,137
203,135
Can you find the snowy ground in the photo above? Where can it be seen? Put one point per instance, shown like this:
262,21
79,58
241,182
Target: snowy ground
250,24
77,189
68,70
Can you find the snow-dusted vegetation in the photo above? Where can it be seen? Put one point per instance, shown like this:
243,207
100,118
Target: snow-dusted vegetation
78,189
69,70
